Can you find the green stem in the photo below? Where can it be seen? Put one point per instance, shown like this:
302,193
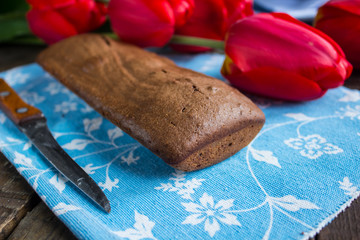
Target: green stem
200,42
103,1
110,35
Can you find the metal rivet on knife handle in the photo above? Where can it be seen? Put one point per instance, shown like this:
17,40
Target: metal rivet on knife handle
4,94
22,110
14,107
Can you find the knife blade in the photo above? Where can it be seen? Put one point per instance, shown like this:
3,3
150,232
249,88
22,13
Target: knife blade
32,122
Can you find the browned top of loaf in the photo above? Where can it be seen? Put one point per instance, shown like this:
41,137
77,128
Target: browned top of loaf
137,90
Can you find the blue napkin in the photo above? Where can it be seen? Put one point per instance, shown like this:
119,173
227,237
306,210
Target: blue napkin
301,9
293,179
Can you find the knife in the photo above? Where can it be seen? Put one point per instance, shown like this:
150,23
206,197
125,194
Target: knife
32,123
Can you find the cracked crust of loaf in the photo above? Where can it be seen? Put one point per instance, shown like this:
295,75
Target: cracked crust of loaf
188,119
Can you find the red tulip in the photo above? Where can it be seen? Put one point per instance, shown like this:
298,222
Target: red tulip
278,56
212,19
340,19
148,23
53,20
183,10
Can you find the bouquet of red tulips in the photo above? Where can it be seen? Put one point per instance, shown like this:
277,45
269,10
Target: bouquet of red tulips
270,54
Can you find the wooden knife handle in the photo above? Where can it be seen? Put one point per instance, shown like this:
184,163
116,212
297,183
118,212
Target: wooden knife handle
14,107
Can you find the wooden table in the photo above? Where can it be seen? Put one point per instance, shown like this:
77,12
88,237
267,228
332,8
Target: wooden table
24,216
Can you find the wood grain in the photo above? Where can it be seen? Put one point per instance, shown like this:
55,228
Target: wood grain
354,81
41,224
16,197
345,226
15,55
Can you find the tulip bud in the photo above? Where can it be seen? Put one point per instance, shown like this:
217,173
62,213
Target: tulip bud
148,23
55,20
340,19
277,56
183,10
211,19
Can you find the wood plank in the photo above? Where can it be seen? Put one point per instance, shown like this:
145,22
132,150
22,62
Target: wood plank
345,226
354,80
41,224
15,55
16,197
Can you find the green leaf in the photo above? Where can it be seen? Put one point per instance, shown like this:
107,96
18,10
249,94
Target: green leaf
13,26
13,5
12,19
12,15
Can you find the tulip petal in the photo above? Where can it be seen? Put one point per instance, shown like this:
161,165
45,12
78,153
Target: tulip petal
278,56
275,83
50,4
211,19
237,10
207,21
265,41
49,25
84,15
343,67
330,78
349,6
99,15
344,33
288,18
79,14
141,22
183,10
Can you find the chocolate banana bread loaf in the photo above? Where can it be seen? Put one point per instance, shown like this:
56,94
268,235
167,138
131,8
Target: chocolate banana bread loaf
188,119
